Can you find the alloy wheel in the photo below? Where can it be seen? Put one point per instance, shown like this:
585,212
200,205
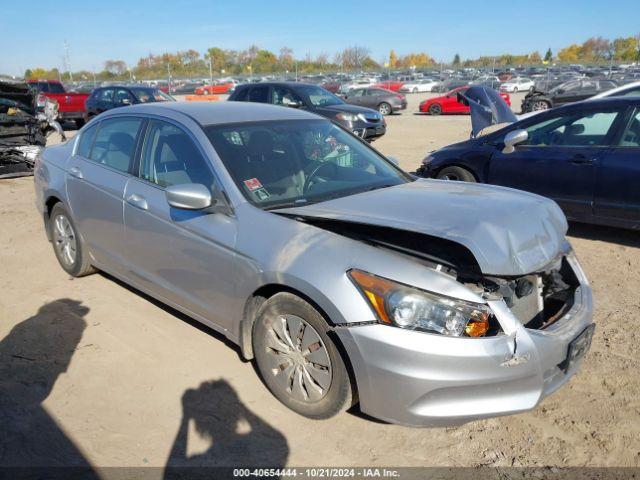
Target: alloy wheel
298,359
64,239
384,109
540,106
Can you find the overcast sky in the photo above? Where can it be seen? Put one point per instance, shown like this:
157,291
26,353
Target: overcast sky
126,30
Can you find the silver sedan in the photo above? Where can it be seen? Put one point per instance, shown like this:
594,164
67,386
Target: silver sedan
348,280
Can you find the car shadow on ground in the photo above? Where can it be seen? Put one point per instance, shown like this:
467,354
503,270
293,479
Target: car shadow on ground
32,357
621,236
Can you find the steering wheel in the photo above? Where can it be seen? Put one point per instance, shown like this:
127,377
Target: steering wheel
314,173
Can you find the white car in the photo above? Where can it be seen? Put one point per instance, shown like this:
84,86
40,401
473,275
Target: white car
359,83
415,86
518,84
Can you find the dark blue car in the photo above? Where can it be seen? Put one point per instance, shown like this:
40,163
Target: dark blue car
585,156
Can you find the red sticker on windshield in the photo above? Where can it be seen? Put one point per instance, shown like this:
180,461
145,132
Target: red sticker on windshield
253,184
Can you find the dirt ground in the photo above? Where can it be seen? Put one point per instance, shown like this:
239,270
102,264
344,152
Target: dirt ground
107,377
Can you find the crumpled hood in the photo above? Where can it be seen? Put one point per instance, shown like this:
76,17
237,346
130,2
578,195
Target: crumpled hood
509,232
487,108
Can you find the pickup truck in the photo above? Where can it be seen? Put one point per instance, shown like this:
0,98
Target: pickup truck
70,105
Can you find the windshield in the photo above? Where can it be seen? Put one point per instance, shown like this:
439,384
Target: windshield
146,95
318,97
288,163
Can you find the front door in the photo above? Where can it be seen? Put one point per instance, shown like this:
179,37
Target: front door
560,159
184,256
617,190
96,178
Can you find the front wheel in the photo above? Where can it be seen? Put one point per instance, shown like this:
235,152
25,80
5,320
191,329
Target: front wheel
539,105
67,244
515,90
458,174
435,109
415,89
384,108
297,360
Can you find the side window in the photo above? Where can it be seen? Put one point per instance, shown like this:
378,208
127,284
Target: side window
259,94
116,142
170,157
105,95
123,97
359,92
631,135
241,95
580,130
283,96
86,141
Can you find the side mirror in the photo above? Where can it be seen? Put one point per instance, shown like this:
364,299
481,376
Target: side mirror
560,91
512,138
125,101
189,196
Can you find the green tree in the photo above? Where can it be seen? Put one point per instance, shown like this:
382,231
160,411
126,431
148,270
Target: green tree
217,57
456,60
625,49
548,56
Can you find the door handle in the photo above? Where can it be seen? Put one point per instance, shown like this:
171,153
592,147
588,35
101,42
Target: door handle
76,172
582,160
137,201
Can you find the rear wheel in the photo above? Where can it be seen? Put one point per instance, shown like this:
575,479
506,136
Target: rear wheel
205,92
456,174
435,109
67,244
384,108
415,89
297,360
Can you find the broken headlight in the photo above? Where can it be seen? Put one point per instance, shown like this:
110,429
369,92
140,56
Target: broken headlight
407,307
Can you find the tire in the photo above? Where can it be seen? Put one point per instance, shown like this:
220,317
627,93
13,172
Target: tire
515,89
539,105
385,109
205,92
458,174
68,246
314,384
79,123
435,109
415,89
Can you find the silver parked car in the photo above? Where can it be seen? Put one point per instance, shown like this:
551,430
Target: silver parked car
429,302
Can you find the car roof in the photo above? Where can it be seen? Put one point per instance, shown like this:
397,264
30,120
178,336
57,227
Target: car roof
273,84
214,113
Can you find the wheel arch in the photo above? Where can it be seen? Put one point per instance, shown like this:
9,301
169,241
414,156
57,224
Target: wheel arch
50,202
268,290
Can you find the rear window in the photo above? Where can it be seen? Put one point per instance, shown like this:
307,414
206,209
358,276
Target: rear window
86,140
115,142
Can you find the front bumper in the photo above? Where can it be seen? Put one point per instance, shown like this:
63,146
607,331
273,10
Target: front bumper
420,379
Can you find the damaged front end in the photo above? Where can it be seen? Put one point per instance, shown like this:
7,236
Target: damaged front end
25,120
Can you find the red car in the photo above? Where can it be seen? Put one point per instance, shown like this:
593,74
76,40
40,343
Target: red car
448,103
393,85
70,105
214,88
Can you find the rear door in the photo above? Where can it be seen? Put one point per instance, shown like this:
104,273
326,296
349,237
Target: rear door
560,158
184,256
618,179
96,178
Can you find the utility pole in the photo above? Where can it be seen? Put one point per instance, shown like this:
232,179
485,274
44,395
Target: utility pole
169,72
66,59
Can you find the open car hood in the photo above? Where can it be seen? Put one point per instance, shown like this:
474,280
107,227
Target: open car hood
509,233
487,108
